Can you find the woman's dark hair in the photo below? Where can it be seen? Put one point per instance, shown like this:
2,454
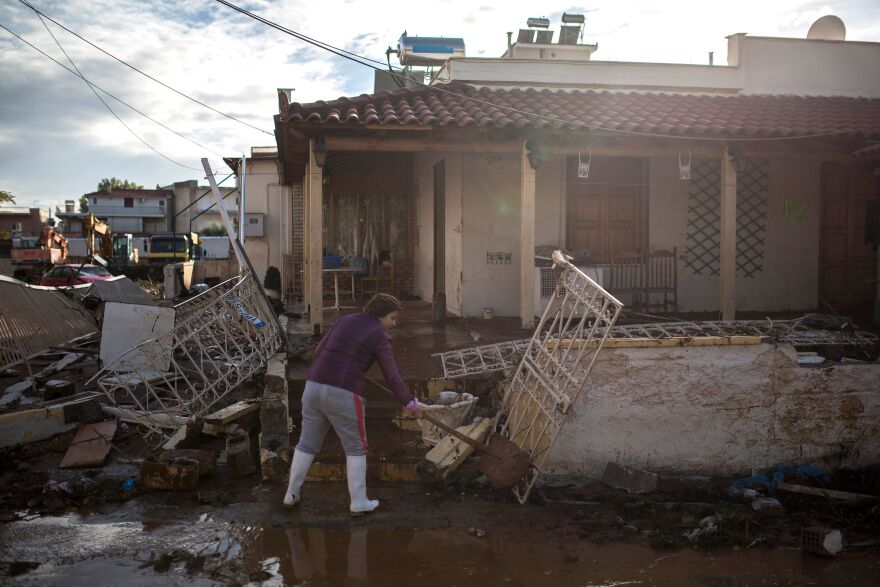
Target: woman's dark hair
382,304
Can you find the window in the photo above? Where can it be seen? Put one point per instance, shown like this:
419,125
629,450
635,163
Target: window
161,202
94,200
129,203
16,227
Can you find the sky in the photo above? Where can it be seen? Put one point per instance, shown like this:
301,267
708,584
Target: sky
57,141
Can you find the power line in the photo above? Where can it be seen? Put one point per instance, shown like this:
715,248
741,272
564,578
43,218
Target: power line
360,60
161,83
94,86
301,36
107,106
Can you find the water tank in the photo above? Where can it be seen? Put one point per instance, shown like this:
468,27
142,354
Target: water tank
428,50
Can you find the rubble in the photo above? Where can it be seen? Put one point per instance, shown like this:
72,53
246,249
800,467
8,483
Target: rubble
182,474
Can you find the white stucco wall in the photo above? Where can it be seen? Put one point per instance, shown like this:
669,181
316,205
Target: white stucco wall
790,276
719,410
264,195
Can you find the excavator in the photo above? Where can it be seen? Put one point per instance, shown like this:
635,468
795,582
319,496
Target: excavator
114,250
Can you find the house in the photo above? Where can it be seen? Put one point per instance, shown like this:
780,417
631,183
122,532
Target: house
268,231
140,211
756,174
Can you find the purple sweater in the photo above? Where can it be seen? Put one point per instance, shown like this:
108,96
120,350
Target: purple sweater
347,352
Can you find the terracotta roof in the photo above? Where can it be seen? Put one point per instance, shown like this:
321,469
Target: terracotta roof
691,115
117,193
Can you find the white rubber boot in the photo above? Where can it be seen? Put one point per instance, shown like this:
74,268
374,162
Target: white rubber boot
299,467
356,470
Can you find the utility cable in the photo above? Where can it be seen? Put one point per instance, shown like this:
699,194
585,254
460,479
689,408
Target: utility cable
208,191
94,86
145,74
360,60
300,36
107,106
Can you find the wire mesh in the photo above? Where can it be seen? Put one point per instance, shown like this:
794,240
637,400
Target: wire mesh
220,339
552,374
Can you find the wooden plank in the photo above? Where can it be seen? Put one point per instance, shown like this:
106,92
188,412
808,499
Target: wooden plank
451,452
232,412
820,492
527,242
728,238
90,446
638,343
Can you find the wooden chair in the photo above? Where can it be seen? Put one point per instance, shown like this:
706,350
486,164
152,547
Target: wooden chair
661,277
382,279
628,276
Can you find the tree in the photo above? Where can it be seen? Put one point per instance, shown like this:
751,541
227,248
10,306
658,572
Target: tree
214,229
117,184
83,204
6,197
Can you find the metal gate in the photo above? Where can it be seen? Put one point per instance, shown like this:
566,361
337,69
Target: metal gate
556,366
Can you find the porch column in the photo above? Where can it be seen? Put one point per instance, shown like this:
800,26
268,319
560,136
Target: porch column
527,241
728,237
313,246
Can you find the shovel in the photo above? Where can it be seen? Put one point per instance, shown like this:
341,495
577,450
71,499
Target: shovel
503,463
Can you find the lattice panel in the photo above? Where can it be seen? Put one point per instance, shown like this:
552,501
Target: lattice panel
704,218
751,216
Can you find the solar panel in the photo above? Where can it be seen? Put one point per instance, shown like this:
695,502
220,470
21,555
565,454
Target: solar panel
526,36
544,37
568,35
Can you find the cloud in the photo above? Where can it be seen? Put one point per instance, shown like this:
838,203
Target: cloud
58,140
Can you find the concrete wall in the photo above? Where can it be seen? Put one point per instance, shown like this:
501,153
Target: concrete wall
790,276
264,195
720,410
756,65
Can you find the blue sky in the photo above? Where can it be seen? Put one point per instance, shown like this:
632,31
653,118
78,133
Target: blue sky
57,141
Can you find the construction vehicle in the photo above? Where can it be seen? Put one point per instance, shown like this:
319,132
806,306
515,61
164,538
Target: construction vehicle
114,250
34,255
175,248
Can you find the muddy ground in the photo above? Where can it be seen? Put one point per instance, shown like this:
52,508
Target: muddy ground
84,527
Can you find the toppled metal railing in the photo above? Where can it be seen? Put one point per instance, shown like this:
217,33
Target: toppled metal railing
33,318
551,376
220,338
800,332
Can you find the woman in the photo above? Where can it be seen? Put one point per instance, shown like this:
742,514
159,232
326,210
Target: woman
334,395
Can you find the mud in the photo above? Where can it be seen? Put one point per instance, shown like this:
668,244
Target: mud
261,544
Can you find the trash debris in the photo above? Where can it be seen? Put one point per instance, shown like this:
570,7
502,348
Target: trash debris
768,507
476,532
449,407
58,388
629,478
708,525
207,459
780,473
822,541
238,455
180,475
15,392
90,446
451,452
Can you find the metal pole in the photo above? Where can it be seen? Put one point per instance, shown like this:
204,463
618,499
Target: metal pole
243,176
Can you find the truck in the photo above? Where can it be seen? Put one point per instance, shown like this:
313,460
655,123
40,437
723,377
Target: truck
174,248
34,255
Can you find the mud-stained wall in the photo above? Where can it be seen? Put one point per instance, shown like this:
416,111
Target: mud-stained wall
720,410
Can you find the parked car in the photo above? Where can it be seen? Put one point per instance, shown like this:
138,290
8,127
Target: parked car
64,275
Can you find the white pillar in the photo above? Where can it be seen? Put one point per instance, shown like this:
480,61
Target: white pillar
527,242
728,238
313,249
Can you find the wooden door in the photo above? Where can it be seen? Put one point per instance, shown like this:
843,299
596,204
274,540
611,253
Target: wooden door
606,211
848,266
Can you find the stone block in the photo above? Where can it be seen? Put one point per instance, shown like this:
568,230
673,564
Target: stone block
180,475
58,388
274,457
629,478
239,460
207,458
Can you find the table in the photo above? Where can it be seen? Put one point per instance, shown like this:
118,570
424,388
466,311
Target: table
336,271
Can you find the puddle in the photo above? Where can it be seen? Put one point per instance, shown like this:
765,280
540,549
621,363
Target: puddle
75,550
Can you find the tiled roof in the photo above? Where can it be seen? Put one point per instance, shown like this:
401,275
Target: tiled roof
117,193
690,115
